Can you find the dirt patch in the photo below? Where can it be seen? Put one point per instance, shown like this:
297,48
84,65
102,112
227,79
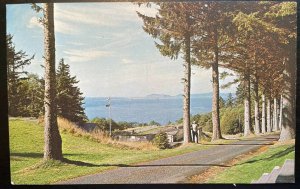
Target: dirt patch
213,171
288,142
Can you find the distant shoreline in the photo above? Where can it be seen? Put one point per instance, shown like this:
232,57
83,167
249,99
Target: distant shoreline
162,96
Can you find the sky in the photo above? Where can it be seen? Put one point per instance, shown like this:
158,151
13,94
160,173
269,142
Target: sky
107,50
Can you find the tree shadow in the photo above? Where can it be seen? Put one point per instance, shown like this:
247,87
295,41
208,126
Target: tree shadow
265,139
33,154
79,163
28,154
233,144
167,165
274,156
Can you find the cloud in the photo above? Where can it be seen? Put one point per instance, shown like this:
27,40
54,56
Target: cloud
33,23
76,43
148,11
70,18
98,14
126,61
59,26
75,55
65,28
87,15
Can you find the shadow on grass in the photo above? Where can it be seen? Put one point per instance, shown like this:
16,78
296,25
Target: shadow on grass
33,155
27,154
79,163
274,156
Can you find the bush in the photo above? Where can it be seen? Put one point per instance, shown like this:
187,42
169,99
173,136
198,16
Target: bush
153,123
103,124
204,121
230,123
161,141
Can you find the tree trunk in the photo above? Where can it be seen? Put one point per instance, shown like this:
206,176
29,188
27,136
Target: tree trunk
215,98
277,112
280,113
271,116
289,99
53,142
187,88
247,116
268,115
275,126
256,105
263,116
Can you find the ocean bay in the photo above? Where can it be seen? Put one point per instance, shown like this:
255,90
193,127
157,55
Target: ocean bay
144,110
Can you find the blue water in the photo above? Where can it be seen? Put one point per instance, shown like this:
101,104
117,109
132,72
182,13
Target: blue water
144,110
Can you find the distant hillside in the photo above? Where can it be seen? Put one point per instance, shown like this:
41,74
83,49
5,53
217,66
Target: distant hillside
158,96
207,95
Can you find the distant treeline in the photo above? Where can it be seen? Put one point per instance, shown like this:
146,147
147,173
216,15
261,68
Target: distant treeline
103,124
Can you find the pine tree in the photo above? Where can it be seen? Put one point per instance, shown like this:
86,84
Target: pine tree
211,40
284,16
174,27
257,55
222,102
32,89
16,60
69,97
230,101
52,138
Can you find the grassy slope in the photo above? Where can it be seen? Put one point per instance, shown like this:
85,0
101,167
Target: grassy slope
252,169
87,157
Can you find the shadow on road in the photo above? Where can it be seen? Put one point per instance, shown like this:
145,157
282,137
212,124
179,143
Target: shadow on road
233,144
260,139
167,165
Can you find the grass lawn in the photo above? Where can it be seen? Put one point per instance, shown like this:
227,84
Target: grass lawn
253,168
85,156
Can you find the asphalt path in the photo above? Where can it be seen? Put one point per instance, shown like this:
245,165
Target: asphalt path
175,169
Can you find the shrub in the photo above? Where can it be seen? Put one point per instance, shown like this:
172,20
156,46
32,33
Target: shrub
230,123
153,123
204,121
103,124
161,141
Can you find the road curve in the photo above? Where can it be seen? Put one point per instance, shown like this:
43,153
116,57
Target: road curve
177,168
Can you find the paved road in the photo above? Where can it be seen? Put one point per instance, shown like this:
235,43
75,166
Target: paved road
174,169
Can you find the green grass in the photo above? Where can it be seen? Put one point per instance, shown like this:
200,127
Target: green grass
84,155
252,169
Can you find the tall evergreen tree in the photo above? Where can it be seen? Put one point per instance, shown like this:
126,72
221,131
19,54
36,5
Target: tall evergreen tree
257,54
222,102
52,138
69,97
33,96
211,41
230,101
16,60
173,26
284,15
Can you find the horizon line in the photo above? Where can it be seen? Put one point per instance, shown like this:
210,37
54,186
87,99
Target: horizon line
154,94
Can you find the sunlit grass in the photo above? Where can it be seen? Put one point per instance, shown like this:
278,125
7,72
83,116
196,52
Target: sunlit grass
83,155
102,137
252,169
